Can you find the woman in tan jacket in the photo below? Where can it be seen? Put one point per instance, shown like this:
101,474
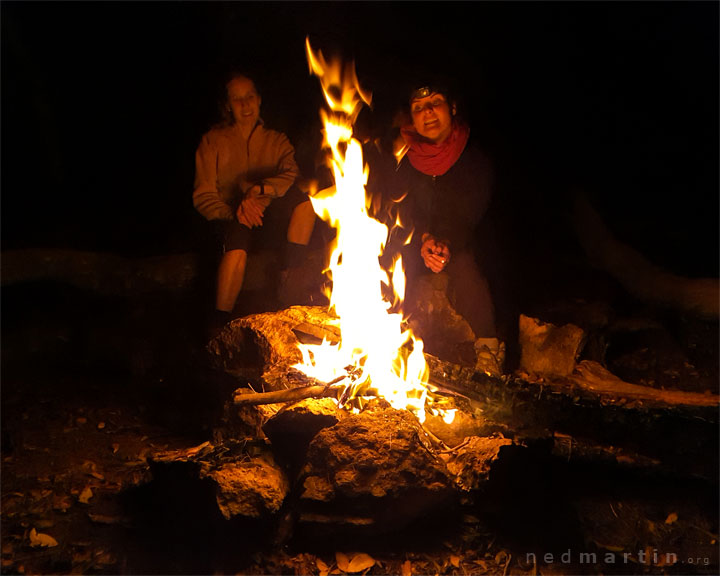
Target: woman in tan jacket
242,171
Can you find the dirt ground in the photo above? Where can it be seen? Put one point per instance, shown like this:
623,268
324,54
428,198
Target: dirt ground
92,385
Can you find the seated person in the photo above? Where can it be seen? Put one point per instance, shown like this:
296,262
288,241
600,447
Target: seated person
445,183
245,178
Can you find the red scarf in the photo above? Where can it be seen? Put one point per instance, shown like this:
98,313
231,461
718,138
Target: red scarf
435,159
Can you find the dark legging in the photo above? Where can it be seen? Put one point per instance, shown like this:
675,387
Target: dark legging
468,289
469,293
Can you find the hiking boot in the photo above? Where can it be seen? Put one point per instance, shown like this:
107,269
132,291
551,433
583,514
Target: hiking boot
490,356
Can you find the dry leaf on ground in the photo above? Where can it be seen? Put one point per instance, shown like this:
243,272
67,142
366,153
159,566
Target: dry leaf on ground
85,495
342,560
361,562
41,540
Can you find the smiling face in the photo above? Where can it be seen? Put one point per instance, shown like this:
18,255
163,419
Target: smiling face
243,101
432,117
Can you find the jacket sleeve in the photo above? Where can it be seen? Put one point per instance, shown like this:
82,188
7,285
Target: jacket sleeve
206,197
287,168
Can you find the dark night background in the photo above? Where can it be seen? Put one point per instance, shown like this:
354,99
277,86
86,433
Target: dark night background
103,104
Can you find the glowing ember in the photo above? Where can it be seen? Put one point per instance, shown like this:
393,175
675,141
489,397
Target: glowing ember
375,352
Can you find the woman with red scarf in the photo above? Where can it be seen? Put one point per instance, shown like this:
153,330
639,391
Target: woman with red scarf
447,185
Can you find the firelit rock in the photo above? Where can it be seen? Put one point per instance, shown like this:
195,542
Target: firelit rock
376,465
548,350
471,463
253,488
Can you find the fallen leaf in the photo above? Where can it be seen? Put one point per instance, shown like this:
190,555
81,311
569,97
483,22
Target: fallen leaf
324,568
42,540
361,562
406,568
85,495
342,561
672,517
455,561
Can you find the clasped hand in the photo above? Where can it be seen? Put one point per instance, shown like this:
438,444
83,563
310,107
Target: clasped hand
435,253
252,208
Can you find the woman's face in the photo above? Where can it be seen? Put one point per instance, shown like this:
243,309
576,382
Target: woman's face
243,101
432,117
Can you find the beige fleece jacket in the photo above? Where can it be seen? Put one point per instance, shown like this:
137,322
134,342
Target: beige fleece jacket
227,165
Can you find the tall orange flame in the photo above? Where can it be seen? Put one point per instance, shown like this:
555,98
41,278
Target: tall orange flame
375,347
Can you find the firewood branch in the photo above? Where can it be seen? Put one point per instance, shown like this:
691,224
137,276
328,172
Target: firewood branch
289,395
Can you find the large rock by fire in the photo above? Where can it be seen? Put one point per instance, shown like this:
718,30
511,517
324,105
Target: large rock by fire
252,488
378,467
548,350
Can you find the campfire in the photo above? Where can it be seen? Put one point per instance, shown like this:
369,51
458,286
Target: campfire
345,418
375,352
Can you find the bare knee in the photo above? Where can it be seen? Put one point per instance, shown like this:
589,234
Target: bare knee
302,223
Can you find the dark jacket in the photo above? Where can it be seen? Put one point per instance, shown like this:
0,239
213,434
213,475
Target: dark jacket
451,206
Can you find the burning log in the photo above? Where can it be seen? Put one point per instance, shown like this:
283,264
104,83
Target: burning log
262,348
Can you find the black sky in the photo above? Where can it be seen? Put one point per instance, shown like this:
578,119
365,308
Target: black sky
103,105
